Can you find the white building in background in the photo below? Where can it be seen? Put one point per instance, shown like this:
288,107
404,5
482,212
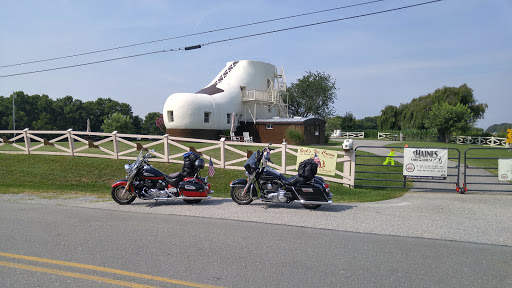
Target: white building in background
251,90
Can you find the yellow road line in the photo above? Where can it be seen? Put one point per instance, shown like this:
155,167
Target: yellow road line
109,270
74,275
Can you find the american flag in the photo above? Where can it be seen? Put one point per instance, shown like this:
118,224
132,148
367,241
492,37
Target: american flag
211,169
317,160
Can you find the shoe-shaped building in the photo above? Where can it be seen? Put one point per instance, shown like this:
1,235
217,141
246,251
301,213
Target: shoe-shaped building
249,90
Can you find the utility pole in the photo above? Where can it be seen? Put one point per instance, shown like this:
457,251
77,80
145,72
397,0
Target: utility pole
13,115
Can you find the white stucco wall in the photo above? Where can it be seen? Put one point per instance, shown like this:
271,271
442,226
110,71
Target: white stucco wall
188,108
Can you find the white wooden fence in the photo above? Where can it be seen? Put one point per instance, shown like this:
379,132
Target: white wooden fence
224,154
487,141
391,136
339,133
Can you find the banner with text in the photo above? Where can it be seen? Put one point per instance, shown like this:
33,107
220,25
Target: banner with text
326,159
425,163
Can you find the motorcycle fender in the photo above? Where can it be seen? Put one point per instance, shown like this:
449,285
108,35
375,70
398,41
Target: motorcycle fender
243,183
239,182
123,183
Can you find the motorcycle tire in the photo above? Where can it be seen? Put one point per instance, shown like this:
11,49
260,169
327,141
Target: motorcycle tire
192,201
238,197
311,206
125,199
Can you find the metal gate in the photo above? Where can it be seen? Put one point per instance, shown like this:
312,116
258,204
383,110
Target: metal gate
377,174
481,178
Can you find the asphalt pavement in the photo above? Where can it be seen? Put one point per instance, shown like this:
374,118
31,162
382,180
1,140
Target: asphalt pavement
472,218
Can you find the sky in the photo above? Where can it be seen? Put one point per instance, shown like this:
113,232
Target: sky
376,60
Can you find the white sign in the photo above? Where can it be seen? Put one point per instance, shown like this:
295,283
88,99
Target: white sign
425,163
505,169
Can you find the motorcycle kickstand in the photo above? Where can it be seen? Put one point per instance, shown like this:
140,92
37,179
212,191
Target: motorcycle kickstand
156,200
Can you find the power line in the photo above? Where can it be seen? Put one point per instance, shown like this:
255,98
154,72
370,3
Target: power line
192,34
229,39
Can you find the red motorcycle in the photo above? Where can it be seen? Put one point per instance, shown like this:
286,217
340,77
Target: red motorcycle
148,183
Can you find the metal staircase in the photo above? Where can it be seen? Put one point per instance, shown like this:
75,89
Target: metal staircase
273,97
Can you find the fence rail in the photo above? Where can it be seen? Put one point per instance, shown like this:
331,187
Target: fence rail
224,154
338,133
390,136
486,141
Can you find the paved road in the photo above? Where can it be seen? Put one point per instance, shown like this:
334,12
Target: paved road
235,253
448,216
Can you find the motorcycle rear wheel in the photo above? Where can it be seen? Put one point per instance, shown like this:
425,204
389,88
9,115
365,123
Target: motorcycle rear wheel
311,206
117,195
237,195
192,201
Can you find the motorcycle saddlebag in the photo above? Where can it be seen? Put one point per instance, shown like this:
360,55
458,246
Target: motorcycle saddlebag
192,188
310,192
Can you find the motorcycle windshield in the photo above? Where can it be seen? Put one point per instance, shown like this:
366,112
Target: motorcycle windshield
252,163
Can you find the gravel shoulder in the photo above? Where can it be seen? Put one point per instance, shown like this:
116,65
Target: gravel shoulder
446,216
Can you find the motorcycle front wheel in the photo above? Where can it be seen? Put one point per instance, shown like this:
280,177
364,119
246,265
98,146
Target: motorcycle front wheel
237,194
120,198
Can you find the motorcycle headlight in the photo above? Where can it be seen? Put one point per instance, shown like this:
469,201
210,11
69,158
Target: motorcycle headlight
127,168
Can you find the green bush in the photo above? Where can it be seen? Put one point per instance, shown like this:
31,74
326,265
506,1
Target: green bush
294,136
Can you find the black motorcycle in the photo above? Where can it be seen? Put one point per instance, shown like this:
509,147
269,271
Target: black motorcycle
268,185
148,183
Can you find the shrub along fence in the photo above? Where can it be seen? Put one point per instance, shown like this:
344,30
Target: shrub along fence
224,154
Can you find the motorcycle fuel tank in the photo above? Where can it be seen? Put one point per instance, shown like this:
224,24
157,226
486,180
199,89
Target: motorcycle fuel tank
151,172
269,174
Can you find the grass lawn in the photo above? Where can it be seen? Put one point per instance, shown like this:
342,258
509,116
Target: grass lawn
21,173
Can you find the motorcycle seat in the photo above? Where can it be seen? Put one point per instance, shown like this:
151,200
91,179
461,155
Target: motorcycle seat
174,175
293,181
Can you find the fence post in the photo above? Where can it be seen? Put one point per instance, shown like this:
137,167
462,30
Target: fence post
166,147
116,147
222,152
27,140
283,157
71,142
352,156
492,141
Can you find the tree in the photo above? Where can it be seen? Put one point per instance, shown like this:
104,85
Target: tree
414,114
389,118
118,122
312,95
348,122
367,123
499,128
333,123
447,118
150,124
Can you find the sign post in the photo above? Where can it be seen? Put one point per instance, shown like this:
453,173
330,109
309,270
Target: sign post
509,138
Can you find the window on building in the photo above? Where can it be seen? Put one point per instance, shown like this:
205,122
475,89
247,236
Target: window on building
207,117
269,126
170,116
228,118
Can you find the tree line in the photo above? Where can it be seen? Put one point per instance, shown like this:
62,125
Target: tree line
447,110
40,112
